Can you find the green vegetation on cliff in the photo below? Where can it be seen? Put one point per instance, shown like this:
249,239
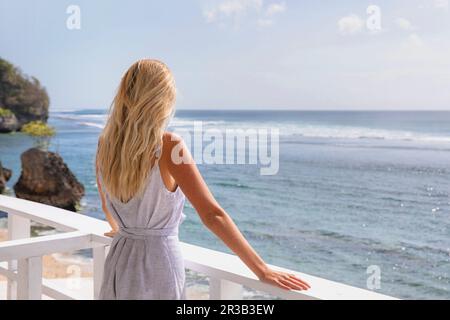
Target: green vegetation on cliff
38,129
41,132
5,112
22,95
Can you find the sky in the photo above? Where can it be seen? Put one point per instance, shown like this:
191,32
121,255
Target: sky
238,54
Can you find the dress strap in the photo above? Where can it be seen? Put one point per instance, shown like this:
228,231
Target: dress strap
158,151
157,154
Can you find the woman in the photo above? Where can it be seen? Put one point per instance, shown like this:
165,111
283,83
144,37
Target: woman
143,186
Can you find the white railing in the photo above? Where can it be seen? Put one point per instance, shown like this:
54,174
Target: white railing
227,274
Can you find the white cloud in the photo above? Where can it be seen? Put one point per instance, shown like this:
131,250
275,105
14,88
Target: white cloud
271,10
350,25
443,4
231,9
225,10
235,7
275,8
404,24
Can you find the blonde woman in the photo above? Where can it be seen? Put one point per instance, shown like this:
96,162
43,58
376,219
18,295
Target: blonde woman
143,192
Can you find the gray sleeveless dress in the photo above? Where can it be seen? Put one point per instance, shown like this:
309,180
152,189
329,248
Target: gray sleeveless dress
145,260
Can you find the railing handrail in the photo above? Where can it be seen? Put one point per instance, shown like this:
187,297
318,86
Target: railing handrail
212,263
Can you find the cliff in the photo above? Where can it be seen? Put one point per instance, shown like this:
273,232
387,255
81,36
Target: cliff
23,96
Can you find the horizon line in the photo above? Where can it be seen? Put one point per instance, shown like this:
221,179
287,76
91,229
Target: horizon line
270,109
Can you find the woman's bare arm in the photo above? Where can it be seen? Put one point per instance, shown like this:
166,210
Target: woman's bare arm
189,179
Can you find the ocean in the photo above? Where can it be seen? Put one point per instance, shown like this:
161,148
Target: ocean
353,190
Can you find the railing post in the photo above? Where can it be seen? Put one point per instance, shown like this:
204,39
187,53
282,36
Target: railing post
18,228
99,255
29,282
224,290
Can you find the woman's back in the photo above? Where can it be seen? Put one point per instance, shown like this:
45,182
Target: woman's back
146,248
156,208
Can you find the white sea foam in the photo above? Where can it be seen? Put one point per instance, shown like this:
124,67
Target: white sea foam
92,124
286,129
177,123
96,120
322,131
348,132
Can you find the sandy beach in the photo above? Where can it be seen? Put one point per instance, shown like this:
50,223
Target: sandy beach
60,265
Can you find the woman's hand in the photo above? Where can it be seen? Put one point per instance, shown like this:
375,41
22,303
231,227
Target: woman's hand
111,233
284,280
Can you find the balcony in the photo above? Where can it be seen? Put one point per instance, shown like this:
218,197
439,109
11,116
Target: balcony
21,260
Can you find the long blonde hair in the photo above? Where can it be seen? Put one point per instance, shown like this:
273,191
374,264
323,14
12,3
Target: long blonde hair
133,133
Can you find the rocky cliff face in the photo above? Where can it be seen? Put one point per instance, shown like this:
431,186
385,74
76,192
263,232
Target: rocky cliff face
5,175
8,123
22,95
45,178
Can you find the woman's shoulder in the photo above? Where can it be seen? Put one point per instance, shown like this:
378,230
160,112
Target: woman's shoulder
170,141
173,145
171,138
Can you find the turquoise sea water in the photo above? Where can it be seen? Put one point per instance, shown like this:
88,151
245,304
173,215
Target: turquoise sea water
354,189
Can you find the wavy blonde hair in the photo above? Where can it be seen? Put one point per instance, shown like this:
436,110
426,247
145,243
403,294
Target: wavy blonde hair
133,133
